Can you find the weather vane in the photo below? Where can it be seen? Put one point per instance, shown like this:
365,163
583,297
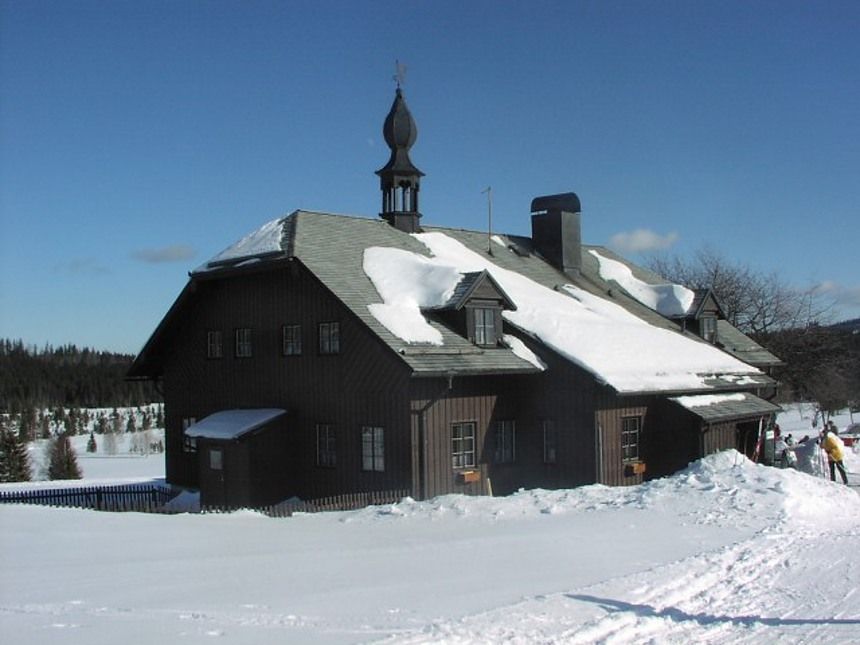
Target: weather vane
399,73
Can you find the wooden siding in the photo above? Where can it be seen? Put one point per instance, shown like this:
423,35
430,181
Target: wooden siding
717,437
683,437
674,440
255,468
436,407
613,470
563,394
365,384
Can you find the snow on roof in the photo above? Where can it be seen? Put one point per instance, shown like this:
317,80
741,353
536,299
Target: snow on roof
519,348
263,241
616,346
407,283
703,400
232,424
666,299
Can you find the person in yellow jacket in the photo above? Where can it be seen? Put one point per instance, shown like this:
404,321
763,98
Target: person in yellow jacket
833,446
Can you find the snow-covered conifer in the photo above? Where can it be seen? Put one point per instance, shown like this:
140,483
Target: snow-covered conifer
14,460
62,460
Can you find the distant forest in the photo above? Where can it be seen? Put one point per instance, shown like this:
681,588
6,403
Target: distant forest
67,376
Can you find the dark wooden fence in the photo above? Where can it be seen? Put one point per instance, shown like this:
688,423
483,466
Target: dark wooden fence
141,498
148,498
346,502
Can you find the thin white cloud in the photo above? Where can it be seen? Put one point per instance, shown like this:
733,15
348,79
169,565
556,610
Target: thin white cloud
81,266
642,241
842,295
172,253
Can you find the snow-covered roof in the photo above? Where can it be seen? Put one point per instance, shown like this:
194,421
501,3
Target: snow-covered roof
720,407
232,424
666,299
266,240
619,348
392,281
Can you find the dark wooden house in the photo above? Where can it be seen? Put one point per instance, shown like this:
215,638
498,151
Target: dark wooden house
282,378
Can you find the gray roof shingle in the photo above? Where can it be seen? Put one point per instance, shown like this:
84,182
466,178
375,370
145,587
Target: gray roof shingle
332,247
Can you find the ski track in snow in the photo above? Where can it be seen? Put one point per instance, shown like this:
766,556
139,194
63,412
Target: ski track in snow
750,582
725,551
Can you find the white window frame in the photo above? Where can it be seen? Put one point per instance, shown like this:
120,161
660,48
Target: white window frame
708,328
463,444
485,325
631,431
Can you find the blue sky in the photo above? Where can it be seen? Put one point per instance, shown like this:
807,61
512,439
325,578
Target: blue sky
138,139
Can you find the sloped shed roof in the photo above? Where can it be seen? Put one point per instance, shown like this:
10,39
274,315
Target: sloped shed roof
233,424
712,408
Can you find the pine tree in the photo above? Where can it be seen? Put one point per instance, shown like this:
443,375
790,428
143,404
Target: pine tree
27,427
71,422
62,461
91,444
14,460
131,426
45,427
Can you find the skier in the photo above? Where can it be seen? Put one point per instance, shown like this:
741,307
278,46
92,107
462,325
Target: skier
784,451
834,447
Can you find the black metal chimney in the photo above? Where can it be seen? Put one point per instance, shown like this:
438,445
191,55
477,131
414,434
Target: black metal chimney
556,231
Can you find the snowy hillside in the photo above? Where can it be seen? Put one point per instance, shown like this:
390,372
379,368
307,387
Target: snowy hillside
725,552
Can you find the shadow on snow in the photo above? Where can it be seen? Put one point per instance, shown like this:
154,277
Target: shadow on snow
677,615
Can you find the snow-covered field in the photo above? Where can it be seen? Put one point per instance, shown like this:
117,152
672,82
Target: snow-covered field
725,552
101,467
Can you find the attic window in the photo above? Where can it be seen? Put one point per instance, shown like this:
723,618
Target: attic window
485,326
708,328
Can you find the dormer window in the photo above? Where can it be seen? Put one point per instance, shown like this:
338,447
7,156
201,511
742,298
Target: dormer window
703,314
485,326
708,328
475,309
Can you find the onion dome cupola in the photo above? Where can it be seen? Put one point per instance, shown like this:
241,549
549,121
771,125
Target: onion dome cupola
399,179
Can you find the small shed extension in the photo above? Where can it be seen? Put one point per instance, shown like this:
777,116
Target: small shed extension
239,455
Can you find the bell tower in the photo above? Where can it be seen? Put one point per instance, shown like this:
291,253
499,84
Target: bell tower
399,179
